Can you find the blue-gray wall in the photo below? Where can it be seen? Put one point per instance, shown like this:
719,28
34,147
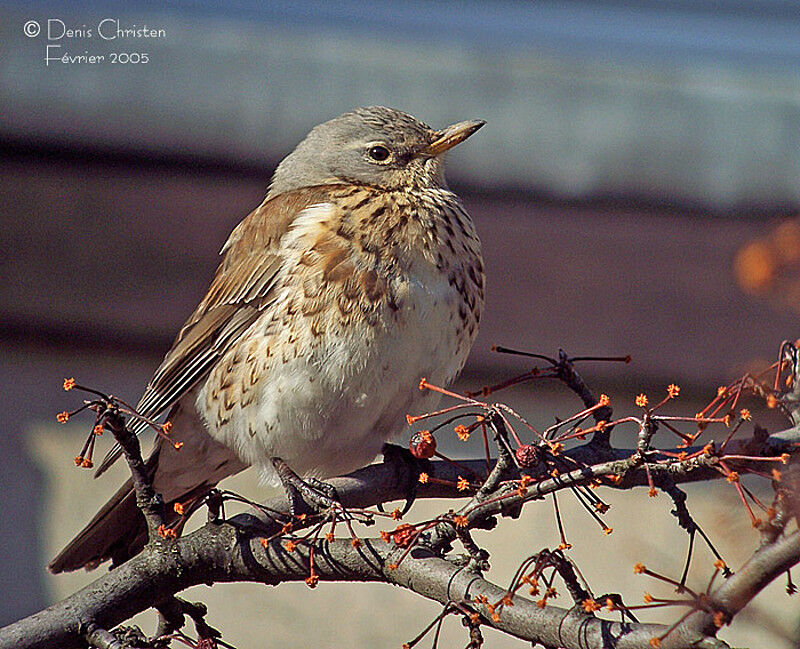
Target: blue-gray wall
686,100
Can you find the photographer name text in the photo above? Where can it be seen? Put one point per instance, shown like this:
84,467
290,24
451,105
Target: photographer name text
60,36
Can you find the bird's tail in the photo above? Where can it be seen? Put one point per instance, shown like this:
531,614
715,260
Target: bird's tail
117,532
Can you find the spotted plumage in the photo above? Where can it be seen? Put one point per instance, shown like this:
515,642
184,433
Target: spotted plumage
359,274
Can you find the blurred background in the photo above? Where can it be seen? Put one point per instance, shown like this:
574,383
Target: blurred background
636,190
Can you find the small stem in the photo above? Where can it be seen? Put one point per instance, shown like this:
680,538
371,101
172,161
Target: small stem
148,501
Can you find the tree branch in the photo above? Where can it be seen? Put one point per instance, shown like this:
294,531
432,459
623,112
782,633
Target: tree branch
736,592
232,551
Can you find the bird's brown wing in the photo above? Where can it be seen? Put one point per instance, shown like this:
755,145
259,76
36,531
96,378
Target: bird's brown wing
243,286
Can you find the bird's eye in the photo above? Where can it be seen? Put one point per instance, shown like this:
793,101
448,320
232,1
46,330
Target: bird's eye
379,153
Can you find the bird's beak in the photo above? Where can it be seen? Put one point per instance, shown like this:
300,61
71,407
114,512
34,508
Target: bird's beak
448,137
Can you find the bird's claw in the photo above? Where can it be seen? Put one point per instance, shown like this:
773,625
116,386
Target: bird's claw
303,495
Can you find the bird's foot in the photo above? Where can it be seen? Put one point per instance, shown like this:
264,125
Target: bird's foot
305,496
407,469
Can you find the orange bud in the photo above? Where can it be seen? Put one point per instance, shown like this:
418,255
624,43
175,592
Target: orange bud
589,605
166,532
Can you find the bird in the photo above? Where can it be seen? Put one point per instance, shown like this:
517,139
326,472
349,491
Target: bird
358,275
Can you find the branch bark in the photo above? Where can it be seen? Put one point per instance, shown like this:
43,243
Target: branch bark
232,551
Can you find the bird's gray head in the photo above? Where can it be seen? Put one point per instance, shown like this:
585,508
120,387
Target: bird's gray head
376,146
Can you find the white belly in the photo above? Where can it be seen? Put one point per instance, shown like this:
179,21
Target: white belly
328,409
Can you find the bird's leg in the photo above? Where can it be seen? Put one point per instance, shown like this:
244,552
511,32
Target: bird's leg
302,494
407,469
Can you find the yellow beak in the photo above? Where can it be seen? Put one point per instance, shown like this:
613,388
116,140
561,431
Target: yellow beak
447,138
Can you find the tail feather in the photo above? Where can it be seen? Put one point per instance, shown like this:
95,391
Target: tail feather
117,532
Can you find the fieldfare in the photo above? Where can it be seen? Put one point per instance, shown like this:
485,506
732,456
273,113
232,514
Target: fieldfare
358,275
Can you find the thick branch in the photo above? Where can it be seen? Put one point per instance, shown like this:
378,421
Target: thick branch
736,592
379,483
232,552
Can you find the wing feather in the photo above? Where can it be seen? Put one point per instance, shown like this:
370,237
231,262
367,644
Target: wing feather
243,286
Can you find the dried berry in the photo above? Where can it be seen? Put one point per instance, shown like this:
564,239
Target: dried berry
422,445
528,456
